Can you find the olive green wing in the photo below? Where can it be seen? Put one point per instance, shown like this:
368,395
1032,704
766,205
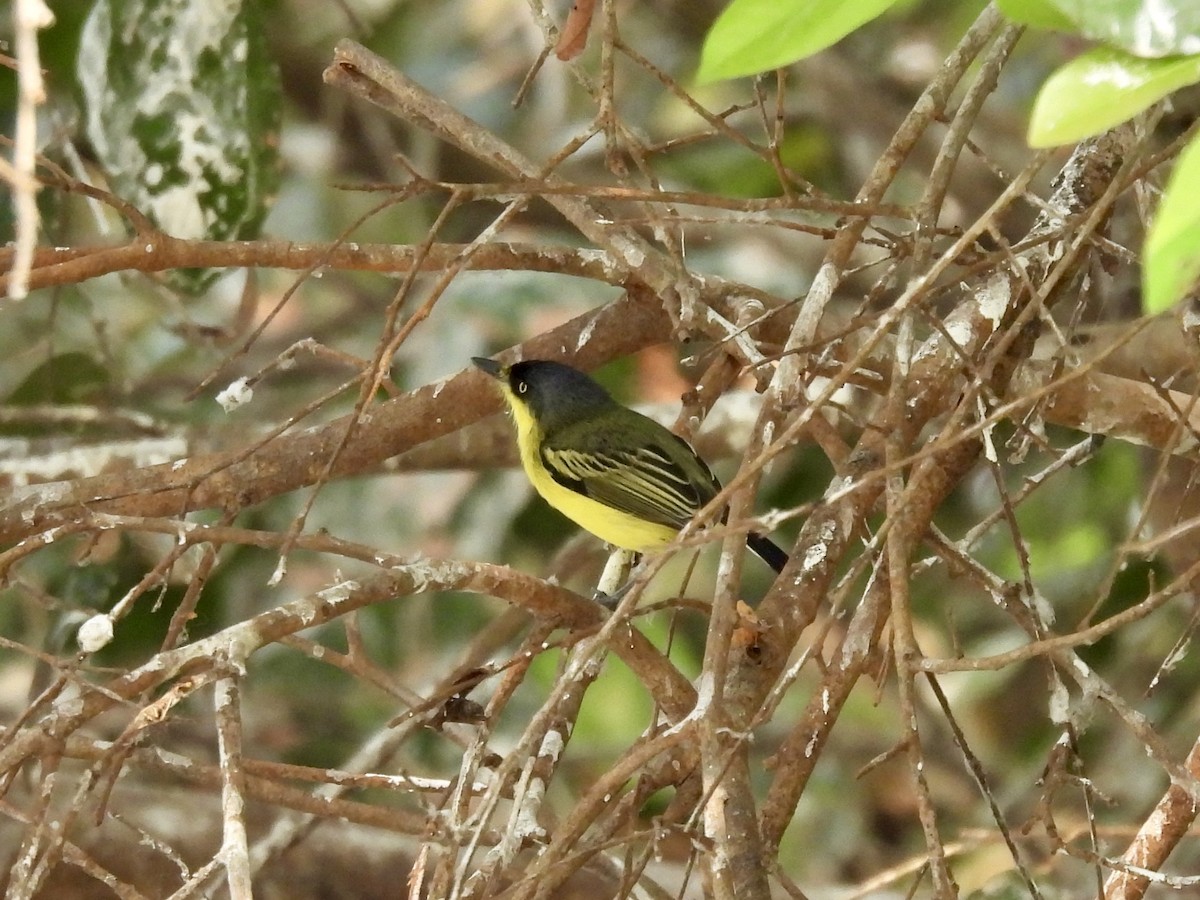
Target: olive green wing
649,473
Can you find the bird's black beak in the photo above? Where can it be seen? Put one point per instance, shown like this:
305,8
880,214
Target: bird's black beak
490,366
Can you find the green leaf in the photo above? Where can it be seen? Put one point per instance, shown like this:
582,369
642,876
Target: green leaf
1172,257
183,106
1100,89
1037,14
753,36
67,378
1147,28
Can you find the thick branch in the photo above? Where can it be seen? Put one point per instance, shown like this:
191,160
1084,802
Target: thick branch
160,253
244,477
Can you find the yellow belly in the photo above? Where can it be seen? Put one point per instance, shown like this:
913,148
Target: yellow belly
610,525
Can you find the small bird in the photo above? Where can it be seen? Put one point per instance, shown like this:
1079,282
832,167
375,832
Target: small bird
614,472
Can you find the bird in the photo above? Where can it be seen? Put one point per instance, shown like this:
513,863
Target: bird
611,470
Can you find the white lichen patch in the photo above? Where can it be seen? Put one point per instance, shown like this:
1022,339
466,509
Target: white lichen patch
94,634
239,393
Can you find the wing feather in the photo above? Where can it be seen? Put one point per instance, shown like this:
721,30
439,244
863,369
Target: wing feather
652,482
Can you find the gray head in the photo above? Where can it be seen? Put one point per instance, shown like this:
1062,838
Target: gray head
557,395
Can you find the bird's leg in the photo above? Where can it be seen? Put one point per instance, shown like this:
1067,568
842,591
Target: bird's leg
614,580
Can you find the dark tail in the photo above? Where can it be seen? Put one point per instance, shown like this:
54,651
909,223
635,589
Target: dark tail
767,550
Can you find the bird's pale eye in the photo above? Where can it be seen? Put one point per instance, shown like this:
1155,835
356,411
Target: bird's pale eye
522,387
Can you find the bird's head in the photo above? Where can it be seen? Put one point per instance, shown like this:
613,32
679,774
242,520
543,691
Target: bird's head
552,394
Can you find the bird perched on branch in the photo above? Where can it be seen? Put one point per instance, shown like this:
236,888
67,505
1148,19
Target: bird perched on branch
611,470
